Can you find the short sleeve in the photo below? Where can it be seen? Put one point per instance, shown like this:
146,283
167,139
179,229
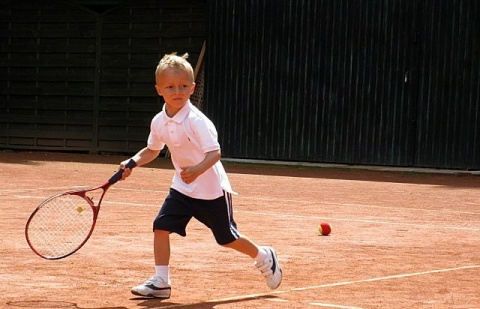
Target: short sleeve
206,134
154,140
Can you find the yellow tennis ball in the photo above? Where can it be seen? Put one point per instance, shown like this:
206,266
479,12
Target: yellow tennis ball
324,229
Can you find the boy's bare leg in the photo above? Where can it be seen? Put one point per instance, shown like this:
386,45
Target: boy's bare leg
161,247
245,246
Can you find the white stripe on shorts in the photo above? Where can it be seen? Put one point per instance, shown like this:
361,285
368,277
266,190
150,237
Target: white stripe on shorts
233,228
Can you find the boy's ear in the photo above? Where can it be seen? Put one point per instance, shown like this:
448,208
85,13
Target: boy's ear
158,90
192,90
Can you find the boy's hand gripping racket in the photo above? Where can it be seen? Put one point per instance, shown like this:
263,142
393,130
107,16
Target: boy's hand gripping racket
63,223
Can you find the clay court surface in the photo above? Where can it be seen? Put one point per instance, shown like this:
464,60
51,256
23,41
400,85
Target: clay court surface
399,239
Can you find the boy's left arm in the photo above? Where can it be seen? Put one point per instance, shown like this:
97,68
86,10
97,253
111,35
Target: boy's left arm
190,173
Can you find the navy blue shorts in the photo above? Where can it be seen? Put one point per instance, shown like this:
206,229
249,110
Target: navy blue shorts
178,209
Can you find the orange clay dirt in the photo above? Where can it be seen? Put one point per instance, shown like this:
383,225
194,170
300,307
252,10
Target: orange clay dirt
399,240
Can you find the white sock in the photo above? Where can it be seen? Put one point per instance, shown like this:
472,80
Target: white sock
262,254
163,271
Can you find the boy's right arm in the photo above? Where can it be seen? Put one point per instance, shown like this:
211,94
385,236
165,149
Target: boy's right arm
142,157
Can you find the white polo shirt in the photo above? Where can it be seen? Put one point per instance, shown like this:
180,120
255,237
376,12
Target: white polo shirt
189,135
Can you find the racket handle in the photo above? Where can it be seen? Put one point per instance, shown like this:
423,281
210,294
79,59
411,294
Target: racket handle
118,174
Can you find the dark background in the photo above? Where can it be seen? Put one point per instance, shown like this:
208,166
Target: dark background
393,83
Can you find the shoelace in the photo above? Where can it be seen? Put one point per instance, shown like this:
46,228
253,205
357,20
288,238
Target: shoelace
152,281
265,269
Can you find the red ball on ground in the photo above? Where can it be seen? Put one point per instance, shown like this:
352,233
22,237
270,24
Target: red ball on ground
324,229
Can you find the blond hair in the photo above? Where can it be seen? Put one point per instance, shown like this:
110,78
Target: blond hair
176,62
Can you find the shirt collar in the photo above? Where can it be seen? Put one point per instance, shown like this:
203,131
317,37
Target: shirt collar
179,116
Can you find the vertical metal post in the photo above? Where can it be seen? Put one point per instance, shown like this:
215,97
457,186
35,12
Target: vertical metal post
96,94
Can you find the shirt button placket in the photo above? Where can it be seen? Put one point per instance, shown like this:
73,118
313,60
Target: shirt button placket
172,133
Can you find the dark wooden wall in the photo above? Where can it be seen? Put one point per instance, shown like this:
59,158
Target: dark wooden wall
76,80
355,82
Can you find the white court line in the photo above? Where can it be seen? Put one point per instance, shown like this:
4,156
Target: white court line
399,276
406,208
327,285
334,306
37,189
76,188
103,203
134,204
29,196
398,208
141,190
69,188
272,214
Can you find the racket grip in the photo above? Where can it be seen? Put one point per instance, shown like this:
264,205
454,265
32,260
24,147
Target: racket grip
118,174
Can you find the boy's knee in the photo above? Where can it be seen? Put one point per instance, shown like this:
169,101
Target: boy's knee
161,232
228,244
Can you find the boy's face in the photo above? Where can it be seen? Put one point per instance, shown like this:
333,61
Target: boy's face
176,87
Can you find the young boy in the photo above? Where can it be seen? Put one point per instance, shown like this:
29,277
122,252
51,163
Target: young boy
200,186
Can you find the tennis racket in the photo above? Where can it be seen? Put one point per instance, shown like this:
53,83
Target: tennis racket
64,222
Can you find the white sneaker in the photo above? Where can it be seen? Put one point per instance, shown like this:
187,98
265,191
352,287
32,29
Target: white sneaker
270,268
153,287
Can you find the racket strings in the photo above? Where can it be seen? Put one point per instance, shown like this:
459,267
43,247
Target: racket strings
60,226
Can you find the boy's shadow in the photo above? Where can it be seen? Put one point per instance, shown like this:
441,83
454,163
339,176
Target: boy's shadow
159,303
